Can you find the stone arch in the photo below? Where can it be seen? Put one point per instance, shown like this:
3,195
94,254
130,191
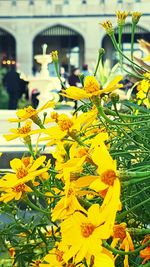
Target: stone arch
71,26
7,48
68,42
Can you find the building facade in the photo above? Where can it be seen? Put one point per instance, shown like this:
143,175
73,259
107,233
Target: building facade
71,27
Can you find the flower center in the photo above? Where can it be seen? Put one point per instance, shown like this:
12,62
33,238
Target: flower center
21,172
54,115
64,122
119,231
30,110
91,85
26,161
19,188
108,177
87,229
59,255
24,130
70,192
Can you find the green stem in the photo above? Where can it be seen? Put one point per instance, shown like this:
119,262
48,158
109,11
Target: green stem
130,175
120,43
31,149
85,263
137,231
123,214
101,112
132,39
136,194
34,207
134,181
58,75
129,151
128,116
117,48
101,52
120,252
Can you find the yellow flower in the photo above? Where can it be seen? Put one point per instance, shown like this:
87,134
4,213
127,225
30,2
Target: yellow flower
23,132
68,126
24,171
103,260
83,234
15,192
31,113
121,235
53,259
69,167
67,205
54,55
106,166
147,58
64,122
136,16
121,17
145,253
107,25
91,88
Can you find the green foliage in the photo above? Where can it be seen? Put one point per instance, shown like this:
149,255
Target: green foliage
3,93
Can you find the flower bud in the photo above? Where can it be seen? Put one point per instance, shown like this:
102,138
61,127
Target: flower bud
107,25
54,55
136,16
121,17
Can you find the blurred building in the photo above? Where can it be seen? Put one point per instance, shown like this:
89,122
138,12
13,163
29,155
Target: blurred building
69,26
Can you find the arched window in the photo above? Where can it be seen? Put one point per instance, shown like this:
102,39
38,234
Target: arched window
69,43
7,49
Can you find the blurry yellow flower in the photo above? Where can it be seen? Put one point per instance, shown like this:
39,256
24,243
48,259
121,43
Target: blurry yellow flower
143,89
147,58
53,259
68,126
107,25
31,113
64,122
22,172
14,192
12,252
23,132
91,88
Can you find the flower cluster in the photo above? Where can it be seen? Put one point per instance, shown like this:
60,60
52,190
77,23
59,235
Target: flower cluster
88,204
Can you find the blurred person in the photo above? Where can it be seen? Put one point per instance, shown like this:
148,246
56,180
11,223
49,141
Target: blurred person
74,80
12,83
85,70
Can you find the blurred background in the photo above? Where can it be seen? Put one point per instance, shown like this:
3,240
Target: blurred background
69,26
